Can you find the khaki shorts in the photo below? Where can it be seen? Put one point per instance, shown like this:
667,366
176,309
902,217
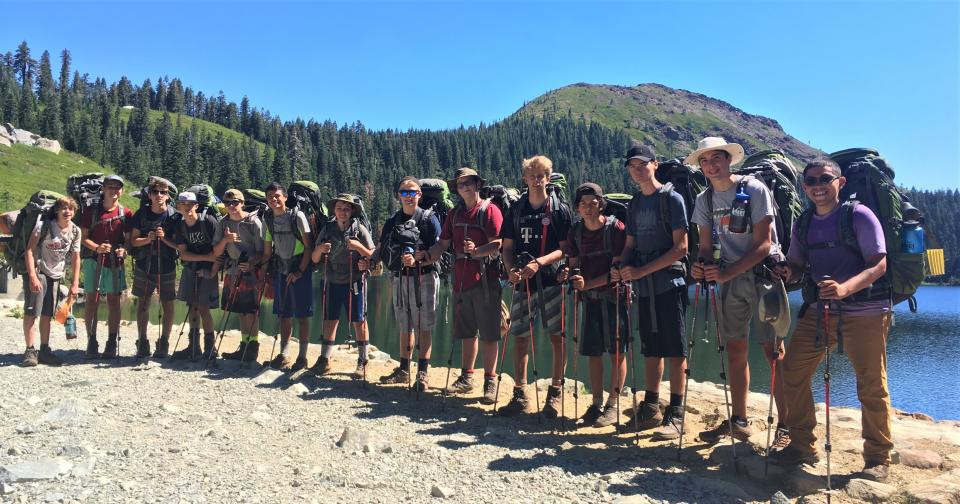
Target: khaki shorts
739,302
477,311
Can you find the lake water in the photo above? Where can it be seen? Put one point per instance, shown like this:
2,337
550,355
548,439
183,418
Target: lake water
922,349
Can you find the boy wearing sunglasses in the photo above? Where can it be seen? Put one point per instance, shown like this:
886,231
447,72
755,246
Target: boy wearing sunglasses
858,302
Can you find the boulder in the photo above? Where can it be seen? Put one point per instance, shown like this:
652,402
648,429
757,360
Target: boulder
40,469
921,459
945,488
49,145
870,491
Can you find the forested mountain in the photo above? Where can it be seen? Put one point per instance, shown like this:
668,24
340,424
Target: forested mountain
168,128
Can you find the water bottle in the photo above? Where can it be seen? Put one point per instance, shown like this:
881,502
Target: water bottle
740,211
913,241
70,327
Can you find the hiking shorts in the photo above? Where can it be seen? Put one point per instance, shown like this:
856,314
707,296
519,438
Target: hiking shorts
669,337
295,300
477,311
144,284
196,290
409,316
739,302
519,311
43,303
245,299
598,334
340,299
106,284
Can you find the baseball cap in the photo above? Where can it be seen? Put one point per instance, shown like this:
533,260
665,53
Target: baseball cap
587,189
641,152
114,178
187,197
233,194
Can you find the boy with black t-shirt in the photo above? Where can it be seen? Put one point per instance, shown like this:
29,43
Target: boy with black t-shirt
198,281
534,234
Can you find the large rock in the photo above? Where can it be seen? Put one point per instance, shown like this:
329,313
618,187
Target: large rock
34,470
49,145
921,459
353,439
943,489
870,491
4,141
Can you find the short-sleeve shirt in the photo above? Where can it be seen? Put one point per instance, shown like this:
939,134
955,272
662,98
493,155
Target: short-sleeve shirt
284,241
198,238
145,220
342,262
429,229
841,263
733,246
461,224
52,248
651,237
597,265
111,227
250,230
527,236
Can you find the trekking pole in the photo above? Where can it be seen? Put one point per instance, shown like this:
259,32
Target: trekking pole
226,318
618,289
190,309
686,372
246,348
503,355
159,298
775,355
91,321
282,300
826,386
533,352
115,276
416,335
576,349
563,352
453,343
633,363
723,372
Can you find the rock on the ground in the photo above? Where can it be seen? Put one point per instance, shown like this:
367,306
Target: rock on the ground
921,459
70,411
442,492
353,439
870,491
34,470
779,498
268,376
942,489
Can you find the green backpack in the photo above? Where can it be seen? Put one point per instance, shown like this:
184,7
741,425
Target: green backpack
40,206
688,182
774,170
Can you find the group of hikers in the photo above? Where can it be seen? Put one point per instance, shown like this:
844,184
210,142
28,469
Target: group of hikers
625,276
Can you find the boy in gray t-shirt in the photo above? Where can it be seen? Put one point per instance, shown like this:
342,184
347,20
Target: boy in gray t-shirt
740,255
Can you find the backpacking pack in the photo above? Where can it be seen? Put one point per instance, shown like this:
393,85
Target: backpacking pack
207,204
144,193
255,202
436,197
558,186
404,237
774,170
85,189
576,233
688,182
503,197
39,206
616,205
304,195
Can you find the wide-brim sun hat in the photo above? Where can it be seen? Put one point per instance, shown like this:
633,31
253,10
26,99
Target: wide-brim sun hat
715,143
345,197
464,172
774,307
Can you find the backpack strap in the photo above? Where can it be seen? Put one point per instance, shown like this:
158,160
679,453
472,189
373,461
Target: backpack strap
847,236
608,227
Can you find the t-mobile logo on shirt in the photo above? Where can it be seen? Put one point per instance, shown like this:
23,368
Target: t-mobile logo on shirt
526,233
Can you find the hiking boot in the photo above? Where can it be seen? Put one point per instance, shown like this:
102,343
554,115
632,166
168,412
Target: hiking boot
93,349
741,431
591,416
321,367
463,385
879,471
489,390
30,357
300,363
551,409
518,404
670,426
162,351
607,417
792,456
396,377
46,356
190,352
251,353
237,354
421,384
209,346
649,417
279,362
110,349
143,348
781,439
361,372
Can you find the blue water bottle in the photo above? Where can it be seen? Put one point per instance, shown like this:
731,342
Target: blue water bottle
740,211
913,241
70,327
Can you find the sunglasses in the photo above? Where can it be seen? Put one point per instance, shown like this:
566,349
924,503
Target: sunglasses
407,193
821,180
467,183
155,192
232,202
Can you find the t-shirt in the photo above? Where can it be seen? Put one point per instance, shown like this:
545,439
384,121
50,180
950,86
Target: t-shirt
429,231
147,258
110,227
841,263
651,238
342,262
250,230
282,237
52,249
198,238
528,235
467,272
733,246
593,266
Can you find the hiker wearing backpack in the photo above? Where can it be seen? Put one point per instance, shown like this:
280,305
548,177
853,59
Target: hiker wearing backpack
735,213
595,243
155,265
416,284
344,247
288,246
193,235
54,241
473,229
534,237
104,233
240,234
860,318
653,259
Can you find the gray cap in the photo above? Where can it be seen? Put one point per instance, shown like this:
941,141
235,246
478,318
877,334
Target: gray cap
113,178
187,197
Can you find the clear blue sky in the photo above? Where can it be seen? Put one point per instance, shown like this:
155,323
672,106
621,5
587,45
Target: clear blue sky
881,74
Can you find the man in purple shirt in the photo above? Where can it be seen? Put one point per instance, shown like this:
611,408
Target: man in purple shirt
842,250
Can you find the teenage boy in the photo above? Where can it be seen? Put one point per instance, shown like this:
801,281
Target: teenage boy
416,284
653,259
859,303
104,234
155,265
53,242
193,236
595,242
240,235
287,250
346,245
473,228
533,238
745,259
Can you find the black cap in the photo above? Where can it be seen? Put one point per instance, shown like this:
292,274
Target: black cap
587,189
641,152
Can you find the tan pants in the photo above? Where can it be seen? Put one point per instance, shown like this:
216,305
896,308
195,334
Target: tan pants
865,345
